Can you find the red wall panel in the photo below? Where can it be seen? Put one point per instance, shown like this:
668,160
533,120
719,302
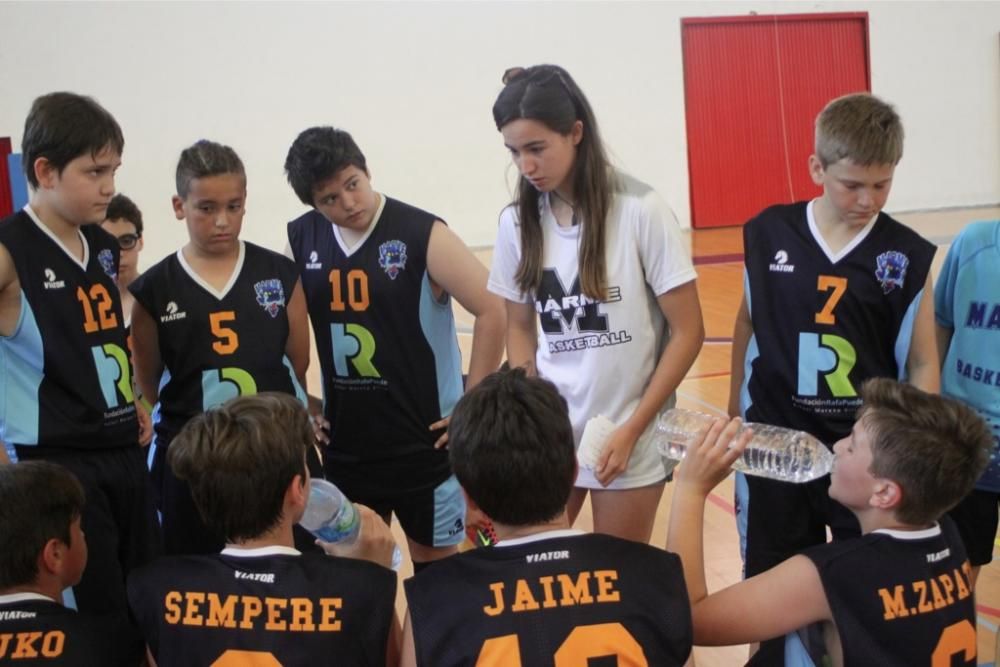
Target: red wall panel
6,197
753,86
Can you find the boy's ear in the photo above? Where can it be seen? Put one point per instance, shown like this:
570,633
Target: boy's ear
297,493
45,173
816,169
178,205
886,495
52,558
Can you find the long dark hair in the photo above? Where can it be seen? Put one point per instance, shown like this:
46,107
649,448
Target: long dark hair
548,94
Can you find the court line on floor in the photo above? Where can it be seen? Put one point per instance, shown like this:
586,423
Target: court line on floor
723,503
729,258
713,374
992,611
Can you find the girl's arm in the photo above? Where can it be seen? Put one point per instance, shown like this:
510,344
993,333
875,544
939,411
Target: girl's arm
682,310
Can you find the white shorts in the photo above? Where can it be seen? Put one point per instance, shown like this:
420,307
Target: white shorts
645,467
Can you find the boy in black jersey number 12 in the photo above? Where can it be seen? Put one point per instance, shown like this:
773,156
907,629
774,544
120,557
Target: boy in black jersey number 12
67,378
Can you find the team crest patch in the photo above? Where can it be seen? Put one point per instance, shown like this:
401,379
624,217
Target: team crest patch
270,295
890,269
392,257
107,260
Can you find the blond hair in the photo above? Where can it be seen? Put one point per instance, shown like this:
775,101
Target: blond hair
861,128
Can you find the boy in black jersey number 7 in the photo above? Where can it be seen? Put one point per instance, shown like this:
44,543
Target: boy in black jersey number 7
900,595
545,592
836,292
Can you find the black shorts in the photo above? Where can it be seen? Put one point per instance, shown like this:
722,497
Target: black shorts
976,517
785,518
433,516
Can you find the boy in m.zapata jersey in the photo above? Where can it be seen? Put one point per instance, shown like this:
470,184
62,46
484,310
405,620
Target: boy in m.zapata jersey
900,594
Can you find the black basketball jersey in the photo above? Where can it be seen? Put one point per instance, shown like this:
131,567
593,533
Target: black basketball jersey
387,347
67,378
901,598
216,345
561,600
35,630
298,609
823,326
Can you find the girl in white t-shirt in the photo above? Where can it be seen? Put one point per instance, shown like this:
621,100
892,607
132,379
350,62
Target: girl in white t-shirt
600,291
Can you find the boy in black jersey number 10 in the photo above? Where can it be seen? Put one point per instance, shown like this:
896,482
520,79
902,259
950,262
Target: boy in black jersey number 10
378,276
899,595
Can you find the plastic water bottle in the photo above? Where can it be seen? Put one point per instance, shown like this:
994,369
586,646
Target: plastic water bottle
773,452
331,517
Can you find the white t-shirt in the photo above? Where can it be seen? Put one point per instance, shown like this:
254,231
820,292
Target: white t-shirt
601,355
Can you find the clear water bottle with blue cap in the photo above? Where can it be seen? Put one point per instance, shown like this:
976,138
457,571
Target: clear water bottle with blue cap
774,452
331,517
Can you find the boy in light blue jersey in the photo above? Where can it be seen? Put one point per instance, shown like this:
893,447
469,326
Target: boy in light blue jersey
967,314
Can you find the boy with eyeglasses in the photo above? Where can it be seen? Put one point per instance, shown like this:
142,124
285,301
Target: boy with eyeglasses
124,222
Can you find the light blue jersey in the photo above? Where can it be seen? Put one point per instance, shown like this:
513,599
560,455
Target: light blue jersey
967,300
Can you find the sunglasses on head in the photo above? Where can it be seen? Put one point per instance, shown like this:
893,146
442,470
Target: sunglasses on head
127,241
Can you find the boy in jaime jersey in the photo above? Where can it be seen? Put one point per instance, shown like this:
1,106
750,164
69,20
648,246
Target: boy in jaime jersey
261,601
967,313
67,394
897,596
219,318
545,592
378,277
